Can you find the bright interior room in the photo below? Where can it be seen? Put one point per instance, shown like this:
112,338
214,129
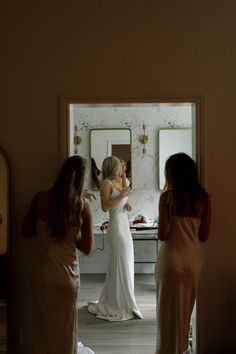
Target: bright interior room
170,128
145,135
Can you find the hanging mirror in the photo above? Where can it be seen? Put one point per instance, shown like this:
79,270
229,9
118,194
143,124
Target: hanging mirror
109,142
172,141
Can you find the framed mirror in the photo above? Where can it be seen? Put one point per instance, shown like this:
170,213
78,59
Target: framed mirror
172,141
109,142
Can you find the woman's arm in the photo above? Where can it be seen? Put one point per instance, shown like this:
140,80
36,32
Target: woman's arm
89,195
106,201
86,240
163,223
204,229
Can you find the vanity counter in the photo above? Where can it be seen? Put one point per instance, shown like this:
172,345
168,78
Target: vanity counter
146,246
137,232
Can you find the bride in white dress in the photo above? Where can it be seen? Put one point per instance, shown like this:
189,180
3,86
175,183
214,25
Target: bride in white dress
117,300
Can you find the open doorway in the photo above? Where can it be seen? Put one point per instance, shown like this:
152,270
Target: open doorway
81,117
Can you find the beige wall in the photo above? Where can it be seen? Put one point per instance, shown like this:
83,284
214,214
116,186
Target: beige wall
119,49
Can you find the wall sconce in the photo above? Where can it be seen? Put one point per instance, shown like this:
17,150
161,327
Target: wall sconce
77,139
143,139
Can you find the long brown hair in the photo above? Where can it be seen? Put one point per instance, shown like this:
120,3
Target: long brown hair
95,174
67,192
182,179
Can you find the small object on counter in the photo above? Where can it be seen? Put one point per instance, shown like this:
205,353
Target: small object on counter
139,219
104,226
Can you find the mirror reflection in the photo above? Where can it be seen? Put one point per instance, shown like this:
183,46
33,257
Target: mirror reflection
109,142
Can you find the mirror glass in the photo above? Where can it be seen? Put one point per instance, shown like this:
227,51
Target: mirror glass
4,222
172,141
109,142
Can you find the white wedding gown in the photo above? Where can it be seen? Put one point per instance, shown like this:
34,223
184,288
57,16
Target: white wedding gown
117,300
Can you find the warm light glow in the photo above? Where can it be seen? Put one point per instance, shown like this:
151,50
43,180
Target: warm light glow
143,139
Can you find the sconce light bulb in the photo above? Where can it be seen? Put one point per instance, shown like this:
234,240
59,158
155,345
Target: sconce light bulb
143,139
77,140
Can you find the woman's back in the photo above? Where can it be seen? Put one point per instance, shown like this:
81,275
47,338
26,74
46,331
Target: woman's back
185,208
184,221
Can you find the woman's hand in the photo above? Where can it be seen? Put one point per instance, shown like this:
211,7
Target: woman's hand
123,167
125,192
128,207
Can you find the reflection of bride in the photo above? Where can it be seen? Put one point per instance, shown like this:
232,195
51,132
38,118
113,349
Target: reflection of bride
117,300
123,174
96,174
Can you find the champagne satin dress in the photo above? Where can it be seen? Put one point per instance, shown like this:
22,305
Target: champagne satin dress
177,272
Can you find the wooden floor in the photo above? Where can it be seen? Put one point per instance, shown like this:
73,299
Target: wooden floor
127,337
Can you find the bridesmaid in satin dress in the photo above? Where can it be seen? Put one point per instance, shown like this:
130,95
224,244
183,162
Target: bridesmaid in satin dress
184,222
61,220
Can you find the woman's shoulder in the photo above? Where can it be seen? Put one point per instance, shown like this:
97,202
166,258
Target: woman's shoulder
86,204
86,209
165,193
43,197
166,196
206,200
40,205
106,183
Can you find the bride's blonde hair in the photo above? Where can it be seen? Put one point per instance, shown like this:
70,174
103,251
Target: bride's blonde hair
110,167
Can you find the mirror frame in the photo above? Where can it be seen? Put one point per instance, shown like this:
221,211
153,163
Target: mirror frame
176,150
